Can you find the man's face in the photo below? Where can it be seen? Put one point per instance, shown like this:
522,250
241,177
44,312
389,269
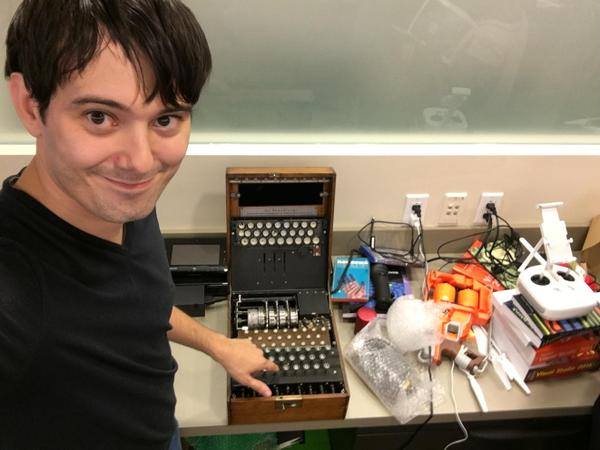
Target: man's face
108,151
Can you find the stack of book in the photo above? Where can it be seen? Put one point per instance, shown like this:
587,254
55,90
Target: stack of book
539,348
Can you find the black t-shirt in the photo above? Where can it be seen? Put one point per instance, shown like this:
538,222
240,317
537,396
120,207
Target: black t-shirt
84,358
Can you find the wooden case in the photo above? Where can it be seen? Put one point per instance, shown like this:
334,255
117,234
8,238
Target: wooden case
271,195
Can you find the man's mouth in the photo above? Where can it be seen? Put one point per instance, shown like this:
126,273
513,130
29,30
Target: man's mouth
130,185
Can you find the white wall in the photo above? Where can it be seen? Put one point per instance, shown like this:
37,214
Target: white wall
375,186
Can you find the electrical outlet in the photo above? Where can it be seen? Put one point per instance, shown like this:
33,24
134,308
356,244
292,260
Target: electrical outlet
452,208
487,197
411,200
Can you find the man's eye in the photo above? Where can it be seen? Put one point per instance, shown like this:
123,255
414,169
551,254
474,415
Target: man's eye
97,117
165,121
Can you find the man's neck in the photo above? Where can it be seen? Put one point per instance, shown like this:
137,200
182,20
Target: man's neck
44,190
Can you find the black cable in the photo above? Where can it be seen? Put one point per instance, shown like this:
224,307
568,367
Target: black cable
491,241
420,427
405,256
449,259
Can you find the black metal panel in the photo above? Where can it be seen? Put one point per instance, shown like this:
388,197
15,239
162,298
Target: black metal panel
274,269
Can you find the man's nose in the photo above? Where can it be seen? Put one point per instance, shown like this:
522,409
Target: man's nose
137,153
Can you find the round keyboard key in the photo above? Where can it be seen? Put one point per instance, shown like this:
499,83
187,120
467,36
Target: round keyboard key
277,225
247,233
298,240
286,225
304,224
271,241
253,241
301,232
283,233
316,240
295,224
313,224
268,225
280,241
240,233
250,225
289,241
260,225
292,233
256,233
306,240
245,241
309,232
241,225
262,241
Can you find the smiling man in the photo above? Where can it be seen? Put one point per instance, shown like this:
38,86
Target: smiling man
106,89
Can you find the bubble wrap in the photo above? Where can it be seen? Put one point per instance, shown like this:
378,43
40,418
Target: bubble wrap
398,380
413,324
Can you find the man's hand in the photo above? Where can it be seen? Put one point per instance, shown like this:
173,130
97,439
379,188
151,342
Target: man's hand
241,358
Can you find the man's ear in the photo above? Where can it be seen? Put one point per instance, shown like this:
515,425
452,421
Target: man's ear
25,105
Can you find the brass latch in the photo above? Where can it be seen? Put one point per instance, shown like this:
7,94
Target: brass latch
287,402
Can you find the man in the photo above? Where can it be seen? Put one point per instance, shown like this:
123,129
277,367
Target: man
106,89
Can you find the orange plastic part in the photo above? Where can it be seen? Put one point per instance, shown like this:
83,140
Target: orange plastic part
468,297
444,292
473,305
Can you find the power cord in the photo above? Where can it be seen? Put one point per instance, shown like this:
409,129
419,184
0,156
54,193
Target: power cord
406,256
420,427
499,254
460,424
418,224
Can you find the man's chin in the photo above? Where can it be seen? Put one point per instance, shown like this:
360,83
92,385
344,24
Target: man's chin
121,216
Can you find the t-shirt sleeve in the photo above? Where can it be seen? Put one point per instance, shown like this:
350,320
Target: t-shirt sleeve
21,321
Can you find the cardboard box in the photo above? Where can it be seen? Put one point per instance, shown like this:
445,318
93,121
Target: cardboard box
590,253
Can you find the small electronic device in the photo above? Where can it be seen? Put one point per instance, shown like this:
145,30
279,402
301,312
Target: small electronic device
199,270
556,292
279,224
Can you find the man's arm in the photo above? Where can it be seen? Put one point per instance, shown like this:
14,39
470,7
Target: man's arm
240,357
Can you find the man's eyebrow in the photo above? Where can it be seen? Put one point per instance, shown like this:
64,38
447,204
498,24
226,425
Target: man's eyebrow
174,109
114,104
99,100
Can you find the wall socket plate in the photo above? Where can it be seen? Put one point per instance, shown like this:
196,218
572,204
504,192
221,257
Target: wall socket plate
414,199
452,208
487,197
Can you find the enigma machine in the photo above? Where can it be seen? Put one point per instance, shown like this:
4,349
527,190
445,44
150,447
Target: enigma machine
279,242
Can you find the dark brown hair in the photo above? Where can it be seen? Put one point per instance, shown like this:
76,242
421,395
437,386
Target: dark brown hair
48,40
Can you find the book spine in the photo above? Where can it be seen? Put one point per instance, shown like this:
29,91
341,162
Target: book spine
562,370
526,324
531,315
